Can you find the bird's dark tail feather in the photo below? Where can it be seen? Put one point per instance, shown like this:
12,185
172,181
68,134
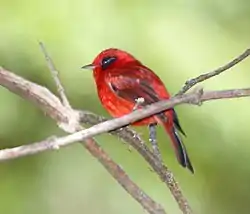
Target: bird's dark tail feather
179,147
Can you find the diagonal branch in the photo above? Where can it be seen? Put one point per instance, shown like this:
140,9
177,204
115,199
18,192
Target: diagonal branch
122,178
38,95
131,137
110,125
190,83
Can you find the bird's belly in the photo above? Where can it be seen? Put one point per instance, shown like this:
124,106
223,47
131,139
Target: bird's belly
118,107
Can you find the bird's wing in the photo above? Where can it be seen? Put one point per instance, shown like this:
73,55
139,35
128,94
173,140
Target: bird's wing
130,86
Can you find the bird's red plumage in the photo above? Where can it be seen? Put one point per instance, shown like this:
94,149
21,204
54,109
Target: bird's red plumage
121,79
128,82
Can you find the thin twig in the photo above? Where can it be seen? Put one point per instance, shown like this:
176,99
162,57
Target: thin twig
190,83
55,74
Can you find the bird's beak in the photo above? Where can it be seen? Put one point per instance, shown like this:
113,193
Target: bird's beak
89,67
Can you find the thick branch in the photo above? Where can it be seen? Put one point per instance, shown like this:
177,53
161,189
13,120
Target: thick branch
116,123
35,93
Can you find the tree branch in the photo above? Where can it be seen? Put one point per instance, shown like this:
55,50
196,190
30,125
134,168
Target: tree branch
54,74
113,124
64,116
122,178
131,137
192,82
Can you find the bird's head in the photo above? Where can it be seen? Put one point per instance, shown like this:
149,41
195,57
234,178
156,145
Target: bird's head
110,59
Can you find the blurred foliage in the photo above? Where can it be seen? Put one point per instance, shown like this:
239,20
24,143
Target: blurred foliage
179,40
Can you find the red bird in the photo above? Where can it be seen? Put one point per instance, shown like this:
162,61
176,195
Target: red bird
121,79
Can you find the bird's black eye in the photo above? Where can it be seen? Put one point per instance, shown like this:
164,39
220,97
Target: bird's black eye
107,61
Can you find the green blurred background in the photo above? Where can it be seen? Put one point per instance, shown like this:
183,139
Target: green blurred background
177,39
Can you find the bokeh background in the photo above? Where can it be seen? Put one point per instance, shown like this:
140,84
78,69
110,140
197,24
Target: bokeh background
178,40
